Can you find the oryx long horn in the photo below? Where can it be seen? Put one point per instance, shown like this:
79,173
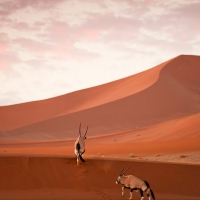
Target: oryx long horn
126,169
80,129
86,131
123,170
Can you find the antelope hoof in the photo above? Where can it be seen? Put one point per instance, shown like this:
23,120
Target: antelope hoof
122,193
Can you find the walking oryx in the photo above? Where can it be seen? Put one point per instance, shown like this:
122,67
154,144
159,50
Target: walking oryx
133,183
79,146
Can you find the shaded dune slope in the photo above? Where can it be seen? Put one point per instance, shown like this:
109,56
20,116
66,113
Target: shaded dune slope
174,95
19,115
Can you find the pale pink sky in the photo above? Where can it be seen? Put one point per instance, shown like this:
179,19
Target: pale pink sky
53,47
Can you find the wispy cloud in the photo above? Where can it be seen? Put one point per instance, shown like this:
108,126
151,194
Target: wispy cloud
53,47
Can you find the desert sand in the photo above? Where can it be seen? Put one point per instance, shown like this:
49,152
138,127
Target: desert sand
150,120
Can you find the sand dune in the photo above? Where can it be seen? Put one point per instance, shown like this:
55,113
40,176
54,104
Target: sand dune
15,116
162,117
174,95
154,115
60,178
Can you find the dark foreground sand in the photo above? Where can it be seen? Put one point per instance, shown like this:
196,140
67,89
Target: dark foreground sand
60,178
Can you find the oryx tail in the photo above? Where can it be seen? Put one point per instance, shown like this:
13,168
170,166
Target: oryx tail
151,191
81,158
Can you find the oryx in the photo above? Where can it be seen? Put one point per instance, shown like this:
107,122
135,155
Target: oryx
133,183
79,145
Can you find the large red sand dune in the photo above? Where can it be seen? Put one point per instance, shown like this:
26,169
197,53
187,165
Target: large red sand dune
161,104
153,114
15,116
166,92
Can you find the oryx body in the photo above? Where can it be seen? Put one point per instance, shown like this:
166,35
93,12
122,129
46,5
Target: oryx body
133,183
79,145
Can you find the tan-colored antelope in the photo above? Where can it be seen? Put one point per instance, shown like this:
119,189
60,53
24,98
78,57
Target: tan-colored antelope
79,145
133,183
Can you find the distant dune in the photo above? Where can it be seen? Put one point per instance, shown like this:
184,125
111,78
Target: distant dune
158,106
19,115
167,92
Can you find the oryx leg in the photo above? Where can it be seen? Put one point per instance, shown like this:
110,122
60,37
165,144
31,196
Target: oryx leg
149,197
77,157
77,152
77,160
122,191
148,193
141,194
131,192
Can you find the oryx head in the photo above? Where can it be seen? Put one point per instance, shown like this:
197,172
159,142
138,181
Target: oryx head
118,181
80,136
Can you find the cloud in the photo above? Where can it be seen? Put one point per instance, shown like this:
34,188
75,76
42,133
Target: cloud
52,47
4,43
7,60
9,7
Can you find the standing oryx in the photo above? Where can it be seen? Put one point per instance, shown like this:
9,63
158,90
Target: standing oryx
133,183
79,146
